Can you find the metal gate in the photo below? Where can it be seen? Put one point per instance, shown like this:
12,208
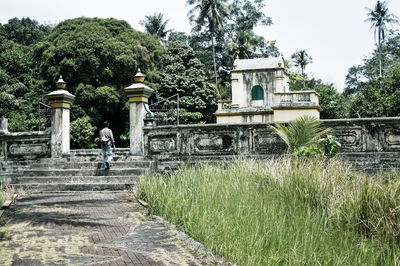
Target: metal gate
166,112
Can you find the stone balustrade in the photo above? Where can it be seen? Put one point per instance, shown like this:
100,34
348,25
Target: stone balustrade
368,142
25,145
296,97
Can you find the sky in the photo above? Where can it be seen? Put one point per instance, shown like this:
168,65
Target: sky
333,32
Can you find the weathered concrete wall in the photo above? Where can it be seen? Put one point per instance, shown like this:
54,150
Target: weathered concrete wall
368,143
25,145
367,134
215,139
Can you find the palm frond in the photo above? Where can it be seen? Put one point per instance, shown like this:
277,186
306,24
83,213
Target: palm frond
302,131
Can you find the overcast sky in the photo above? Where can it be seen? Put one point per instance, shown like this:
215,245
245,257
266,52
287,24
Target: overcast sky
333,32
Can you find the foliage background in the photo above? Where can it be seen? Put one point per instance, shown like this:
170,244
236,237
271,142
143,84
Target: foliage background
98,57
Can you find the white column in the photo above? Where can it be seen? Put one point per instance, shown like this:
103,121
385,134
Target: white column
136,124
60,132
60,101
138,95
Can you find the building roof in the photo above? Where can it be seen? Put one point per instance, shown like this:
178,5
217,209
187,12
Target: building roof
258,63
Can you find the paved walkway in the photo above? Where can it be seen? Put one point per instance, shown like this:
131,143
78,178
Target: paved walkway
89,228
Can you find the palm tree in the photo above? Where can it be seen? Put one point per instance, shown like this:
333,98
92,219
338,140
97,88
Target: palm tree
301,59
156,25
303,131
245,45
212,12
379,17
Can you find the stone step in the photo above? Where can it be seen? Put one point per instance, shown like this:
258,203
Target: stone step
98,158
92,165
95,152
89,158
76,179
37,187
86,172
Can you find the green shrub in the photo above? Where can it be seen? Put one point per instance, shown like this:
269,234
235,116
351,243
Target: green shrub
330,146
303,136
303,131
312,150
82,132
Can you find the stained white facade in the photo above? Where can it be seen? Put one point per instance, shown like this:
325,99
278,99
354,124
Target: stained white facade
260,93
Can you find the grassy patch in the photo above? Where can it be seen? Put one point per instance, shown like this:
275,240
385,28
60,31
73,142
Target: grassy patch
283,211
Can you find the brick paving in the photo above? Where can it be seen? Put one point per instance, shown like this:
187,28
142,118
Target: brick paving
90,228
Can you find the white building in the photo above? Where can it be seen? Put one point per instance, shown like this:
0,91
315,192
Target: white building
260,93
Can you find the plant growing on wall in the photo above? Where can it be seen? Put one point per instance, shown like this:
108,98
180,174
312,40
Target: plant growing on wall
304,137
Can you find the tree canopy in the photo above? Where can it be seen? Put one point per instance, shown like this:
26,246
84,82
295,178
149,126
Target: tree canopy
182,72
372,94
96,51
98,57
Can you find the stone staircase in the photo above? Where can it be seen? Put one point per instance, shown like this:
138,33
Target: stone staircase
82,170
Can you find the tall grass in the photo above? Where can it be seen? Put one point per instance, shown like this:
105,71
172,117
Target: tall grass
283,211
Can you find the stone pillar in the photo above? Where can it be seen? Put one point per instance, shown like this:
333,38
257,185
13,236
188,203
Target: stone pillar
138,95
60,102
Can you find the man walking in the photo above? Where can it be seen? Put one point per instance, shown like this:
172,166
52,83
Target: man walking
107,141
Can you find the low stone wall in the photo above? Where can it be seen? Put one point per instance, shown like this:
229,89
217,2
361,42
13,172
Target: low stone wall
25,145
365,141
367,134
212,139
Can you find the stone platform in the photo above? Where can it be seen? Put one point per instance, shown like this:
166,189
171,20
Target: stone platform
90,228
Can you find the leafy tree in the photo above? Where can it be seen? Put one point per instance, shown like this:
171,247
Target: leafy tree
334,105
245,16
16,61
371,101
97,57
301,59
379,97
359,76
156,25
182,72
99,103
376,95
20,84
247,44
380,17
241,41
213,13
235,38
7,102
178,36
354,81
24,31
96,51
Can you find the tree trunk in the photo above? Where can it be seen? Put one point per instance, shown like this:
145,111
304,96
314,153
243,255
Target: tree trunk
380,61
380,52
215,64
